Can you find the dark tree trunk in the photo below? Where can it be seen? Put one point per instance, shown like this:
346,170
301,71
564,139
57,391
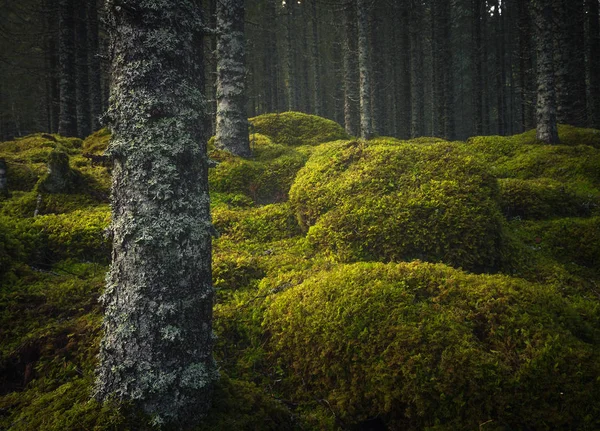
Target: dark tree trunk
82,53
403,75
526,77
417,85
448,68
232,120
546,93
157,346
351,79
593,63
478,11
364,62
67,125
290,60
95,66
316,61
272,58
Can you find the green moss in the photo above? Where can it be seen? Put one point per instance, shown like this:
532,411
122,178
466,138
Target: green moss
400,202
97,142
296,128
544,198
422,345
263,224
265,178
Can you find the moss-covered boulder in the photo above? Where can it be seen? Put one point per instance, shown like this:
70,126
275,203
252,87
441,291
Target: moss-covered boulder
395,202
296,128
425,346
264,178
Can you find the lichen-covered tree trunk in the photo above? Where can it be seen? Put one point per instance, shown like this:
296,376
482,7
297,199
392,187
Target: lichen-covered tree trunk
67,124
364,65
232,120
351,81
547,130
157,345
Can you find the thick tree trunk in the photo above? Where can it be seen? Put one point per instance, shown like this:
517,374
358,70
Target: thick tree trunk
271,58
403,75
232,120
526,80
364,62
67,125
316,60
157,346
546,93
448,68
351,80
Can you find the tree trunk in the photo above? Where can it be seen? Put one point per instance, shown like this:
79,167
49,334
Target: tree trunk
478,10
95,67
364,61
526,81
417,85
157,346
232,120
67,125
316,61
351,80
546,93
82,53
593,63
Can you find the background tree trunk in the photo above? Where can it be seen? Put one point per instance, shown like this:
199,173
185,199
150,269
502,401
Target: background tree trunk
232,120
67,125
364,62
351,78
157,346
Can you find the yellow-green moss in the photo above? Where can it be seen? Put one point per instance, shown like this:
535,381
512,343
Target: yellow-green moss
423,345
541,198
296,128
400,202
97,142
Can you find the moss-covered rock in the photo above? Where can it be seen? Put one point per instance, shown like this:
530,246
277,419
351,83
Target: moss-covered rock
425,346
265,178
541,198
296,128
400,202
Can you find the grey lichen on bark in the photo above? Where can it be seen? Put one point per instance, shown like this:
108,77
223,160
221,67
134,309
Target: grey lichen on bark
232,121
157,345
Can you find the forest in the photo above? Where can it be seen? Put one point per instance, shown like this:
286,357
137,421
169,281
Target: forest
300,215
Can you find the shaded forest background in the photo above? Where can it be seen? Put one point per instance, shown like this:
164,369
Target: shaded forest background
450,69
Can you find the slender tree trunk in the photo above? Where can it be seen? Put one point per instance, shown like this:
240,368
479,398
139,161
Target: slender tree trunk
546,93
95,68
232,120
157,346
526,81
593,62
351,78
477,84
403,75
271,58
82,53
364,61
316,61
417,85
67,72
448,76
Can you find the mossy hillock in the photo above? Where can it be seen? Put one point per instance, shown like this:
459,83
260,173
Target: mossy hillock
343,270
391,202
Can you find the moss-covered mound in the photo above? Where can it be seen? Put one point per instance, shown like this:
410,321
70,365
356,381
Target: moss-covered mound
425,346
400,202
296,128
265,178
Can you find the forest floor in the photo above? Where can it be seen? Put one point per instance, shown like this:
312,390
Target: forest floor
384,285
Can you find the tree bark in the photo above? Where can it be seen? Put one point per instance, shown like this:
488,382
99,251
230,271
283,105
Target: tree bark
364,62
67,125
547,130
593,62
232,120
316,60
351,78
95,66
417,85
82,53
157,345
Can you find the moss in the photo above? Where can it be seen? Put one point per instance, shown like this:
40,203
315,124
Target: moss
296,128
97,142
266,178
422,345
544,198
390,203
263,224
